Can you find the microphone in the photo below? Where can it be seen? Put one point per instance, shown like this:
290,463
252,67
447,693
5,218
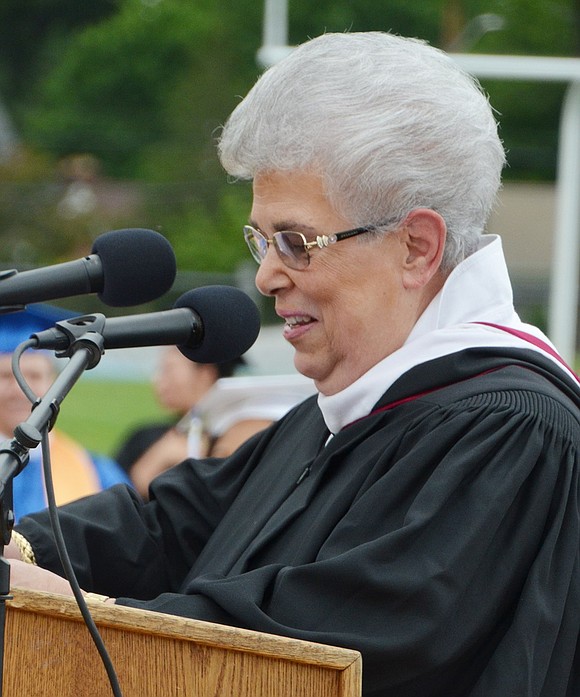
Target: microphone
126,267
213,324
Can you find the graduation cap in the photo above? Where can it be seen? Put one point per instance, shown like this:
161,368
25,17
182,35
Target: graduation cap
16,327
264,397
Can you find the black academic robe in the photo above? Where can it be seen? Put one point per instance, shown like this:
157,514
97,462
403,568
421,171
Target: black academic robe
440,535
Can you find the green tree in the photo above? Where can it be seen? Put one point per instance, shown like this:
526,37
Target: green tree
143,85
143,91
31,36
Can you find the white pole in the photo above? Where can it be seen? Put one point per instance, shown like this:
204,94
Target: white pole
8,139
565,270
275,30
564,282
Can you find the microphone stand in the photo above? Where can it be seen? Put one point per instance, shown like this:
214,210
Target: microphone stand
85,352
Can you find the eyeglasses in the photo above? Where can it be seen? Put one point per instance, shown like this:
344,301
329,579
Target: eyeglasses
292,247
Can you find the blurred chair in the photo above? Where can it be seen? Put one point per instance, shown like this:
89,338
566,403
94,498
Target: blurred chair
238,407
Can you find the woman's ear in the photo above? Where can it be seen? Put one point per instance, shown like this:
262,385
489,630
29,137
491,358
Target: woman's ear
424,236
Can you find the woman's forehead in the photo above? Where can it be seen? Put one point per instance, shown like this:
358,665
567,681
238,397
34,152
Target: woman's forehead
291,201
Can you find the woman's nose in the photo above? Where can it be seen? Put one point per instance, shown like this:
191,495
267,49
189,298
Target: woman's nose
272,274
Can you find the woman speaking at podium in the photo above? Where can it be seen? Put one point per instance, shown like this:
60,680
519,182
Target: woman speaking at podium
423,507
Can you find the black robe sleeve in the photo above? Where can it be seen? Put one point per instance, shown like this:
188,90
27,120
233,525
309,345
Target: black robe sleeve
149,547
440,538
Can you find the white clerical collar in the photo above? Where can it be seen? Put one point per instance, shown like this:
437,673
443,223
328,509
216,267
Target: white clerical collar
477,290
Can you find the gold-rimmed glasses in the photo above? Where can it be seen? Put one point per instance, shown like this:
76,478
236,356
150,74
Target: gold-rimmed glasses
292,247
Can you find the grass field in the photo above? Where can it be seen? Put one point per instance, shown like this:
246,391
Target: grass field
99,414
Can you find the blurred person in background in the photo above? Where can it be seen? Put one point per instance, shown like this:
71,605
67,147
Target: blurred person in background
76,472
179,384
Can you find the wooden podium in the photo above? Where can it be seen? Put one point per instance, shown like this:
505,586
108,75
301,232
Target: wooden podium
49,652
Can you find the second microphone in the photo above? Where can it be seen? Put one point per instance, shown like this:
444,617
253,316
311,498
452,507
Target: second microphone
212,324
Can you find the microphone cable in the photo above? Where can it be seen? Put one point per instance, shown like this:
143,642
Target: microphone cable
57,530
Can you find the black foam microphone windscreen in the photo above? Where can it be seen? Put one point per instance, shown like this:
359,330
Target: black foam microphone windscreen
230,323
212,324
138,266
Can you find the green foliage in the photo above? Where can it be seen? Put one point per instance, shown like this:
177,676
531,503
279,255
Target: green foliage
399,16
144,85
38,221
206,240
28,196
107,94
31,34
529,112
100,414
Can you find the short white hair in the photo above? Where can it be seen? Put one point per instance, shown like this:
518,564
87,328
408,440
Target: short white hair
390,123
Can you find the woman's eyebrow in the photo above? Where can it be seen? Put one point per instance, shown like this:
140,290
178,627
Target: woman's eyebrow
287,226
294,226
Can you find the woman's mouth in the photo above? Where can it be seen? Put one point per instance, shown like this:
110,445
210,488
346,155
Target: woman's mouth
296,325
